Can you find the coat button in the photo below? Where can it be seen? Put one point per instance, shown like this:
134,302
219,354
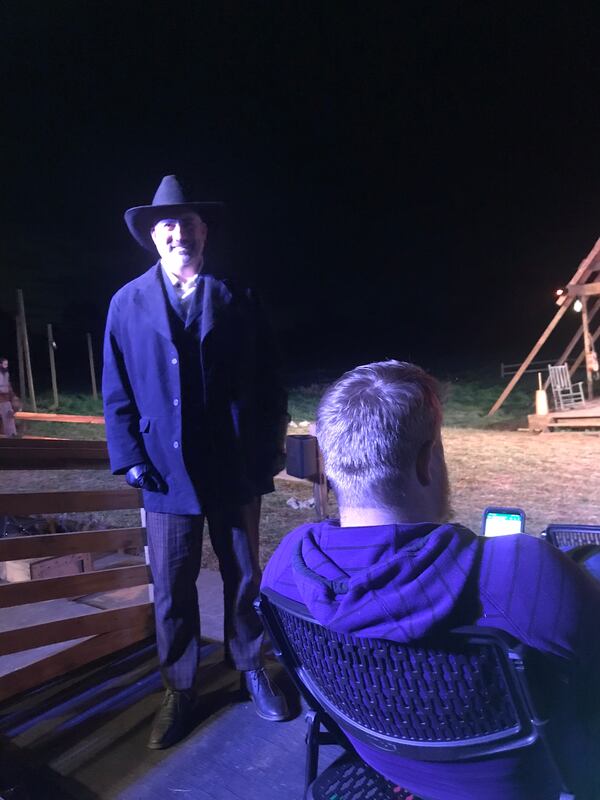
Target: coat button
175,445
175,402
173,361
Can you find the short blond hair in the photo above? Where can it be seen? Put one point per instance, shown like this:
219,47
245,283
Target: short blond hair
371,425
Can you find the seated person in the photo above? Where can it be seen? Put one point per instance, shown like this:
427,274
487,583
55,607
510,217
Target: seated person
410,573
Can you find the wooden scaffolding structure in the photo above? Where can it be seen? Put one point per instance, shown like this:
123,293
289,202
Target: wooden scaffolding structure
584,285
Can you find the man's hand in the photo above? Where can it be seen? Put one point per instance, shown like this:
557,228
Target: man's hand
143,476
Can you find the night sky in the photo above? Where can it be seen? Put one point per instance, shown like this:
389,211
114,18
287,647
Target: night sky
405,180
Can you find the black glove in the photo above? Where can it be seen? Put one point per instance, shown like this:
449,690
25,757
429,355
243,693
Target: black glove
143,476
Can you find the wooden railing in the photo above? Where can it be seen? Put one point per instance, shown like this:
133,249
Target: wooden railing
52,454
100,632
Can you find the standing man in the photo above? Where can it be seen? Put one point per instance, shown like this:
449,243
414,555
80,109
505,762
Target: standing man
7,398
195,417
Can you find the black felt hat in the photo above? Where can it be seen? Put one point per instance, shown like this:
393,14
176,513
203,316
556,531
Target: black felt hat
169,200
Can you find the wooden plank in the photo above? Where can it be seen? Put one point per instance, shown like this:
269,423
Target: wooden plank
39,416
26,503
15,548
51,454
17,594
71,658
545,421
590,422
584,289
63,630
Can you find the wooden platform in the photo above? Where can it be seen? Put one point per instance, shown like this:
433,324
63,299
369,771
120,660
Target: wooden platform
587,416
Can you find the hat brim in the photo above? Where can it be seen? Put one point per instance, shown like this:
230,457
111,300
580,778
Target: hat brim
141,219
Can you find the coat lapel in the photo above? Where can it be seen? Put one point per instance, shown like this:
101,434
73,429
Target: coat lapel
150,299
210,298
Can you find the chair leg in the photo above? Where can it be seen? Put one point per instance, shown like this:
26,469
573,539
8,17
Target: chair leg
313,726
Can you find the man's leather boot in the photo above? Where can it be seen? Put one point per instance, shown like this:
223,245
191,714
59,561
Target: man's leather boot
269,702
173,719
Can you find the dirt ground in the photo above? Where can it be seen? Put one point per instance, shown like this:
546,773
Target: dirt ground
554,477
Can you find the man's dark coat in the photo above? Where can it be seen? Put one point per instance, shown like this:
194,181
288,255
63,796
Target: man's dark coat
245,406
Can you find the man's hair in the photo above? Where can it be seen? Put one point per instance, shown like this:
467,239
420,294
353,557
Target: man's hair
371,425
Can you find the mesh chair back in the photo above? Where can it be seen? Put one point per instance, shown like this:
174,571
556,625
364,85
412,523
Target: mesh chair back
458,697
565,537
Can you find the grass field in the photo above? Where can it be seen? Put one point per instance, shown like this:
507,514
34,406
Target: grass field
553,477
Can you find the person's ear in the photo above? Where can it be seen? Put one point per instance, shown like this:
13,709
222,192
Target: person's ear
423,465
152,234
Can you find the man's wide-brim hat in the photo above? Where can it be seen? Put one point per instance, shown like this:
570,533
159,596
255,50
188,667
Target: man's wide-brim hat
169,201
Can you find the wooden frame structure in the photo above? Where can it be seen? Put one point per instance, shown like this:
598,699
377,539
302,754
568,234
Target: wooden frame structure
584,284
94,633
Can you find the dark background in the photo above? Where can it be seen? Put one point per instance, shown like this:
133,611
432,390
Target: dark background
404,179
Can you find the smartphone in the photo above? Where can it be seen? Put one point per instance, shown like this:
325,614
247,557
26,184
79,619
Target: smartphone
502,521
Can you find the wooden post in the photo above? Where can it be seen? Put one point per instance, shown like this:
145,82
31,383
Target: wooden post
581,355
22,385
21,304
52,365
588,347
92,368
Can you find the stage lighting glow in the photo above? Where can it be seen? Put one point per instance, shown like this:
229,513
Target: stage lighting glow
577,305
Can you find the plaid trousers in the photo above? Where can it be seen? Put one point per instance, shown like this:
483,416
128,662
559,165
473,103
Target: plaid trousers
175,549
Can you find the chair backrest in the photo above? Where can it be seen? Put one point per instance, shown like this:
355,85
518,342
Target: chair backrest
559,376
461,696
566,537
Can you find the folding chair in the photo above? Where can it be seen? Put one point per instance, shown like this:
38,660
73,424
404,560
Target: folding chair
463,696
566,394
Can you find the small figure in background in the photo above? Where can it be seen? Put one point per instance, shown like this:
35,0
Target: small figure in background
9,402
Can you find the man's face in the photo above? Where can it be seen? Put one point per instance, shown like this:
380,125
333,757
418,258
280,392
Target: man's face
4,363
180,241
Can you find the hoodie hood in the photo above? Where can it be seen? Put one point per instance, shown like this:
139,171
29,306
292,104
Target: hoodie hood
388,581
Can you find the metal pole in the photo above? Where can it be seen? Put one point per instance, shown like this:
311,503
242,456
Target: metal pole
92,368
22,385
588,347
21,303
52,364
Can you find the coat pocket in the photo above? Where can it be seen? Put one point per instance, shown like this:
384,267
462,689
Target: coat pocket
145,424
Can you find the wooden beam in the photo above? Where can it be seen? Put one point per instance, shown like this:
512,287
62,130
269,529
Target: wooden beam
536,348
43,417
64,630
583,270
15,548
26,503
52,454
73,657
106,580
584,289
